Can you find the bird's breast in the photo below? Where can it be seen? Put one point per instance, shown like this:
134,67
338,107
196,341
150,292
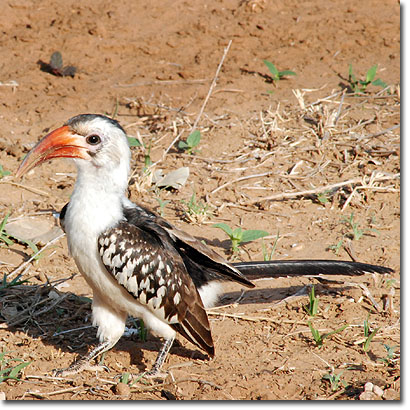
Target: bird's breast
86,218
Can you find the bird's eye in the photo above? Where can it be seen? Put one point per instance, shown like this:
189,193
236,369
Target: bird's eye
93,139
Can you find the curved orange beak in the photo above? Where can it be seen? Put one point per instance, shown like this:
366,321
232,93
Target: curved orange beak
59,143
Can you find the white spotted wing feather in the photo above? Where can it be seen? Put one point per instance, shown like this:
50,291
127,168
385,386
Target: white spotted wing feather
155,275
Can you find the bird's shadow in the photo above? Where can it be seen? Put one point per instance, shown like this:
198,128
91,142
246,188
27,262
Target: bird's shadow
60,319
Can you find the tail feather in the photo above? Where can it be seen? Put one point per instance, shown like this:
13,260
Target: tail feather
196,332
283,268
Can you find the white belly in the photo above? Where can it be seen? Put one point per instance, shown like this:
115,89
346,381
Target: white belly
112,300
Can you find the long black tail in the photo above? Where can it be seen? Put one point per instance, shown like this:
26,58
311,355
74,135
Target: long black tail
283,268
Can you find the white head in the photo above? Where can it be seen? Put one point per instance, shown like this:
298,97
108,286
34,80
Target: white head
98,145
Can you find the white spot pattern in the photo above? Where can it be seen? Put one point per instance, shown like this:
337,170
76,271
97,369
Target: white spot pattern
140,266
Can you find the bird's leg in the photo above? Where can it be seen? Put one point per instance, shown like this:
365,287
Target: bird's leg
156,368
84,362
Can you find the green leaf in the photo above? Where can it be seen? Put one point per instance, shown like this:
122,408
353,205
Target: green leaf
253,234
273,70
335,331
366,345
12,372
237,235
143,330
31,244
371,73
182,145
224,227
194,138
379,83
4,221
315,333
125,377
312,308
352,77
3,172
366,328
133,142
322,198
17,369
286,72
6,240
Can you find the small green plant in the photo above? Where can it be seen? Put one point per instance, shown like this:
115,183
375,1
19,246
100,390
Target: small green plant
4,236
3,172
9,239
8,371
276,74
360,86
134,142
368,334
143,331
312,307
390,355
147,158
239,236
195,210
14,282
336,248
125,378
318,338
193,140
322,197
267,256
355,232
162,204
334,380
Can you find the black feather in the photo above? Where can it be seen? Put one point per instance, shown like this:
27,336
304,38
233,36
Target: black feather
88,117
62,216
283,268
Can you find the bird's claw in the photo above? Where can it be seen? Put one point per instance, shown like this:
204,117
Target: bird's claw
78,367
154,374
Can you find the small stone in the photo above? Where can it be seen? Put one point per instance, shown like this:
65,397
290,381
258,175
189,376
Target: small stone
368,387
378,390
391,394
368,395
122,389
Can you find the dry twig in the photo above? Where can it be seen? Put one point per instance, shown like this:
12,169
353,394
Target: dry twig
331,187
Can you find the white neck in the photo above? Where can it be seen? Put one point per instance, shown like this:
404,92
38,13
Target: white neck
96,202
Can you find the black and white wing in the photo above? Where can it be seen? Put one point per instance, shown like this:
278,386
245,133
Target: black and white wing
153,272
202,263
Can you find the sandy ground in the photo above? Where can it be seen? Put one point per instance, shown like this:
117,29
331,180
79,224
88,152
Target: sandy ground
264,147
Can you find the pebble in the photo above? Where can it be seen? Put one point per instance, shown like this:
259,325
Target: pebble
122,389
368,395
378,391
371,392
391,394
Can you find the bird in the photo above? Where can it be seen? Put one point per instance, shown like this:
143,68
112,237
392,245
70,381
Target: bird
136,262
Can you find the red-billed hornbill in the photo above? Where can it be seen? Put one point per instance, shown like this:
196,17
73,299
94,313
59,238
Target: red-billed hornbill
135,262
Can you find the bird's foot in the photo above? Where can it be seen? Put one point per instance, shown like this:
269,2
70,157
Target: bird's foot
84,363
148,376
154,374
78,367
